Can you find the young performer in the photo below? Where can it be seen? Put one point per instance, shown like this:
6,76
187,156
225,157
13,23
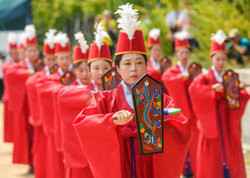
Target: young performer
20,47
155,50
99,60
39,145
219,144
55,166
70,100
8,113
16,77
107,143
176,79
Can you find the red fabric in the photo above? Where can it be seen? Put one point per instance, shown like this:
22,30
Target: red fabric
103,53
151,71
22,134
152,41
59,49
136,45
78,55
215,47
55,166
31,42
178,90
209,153
47,50
20,47
8,113
107,147
71,100
181,43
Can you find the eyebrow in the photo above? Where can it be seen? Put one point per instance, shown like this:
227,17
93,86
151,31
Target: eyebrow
130,59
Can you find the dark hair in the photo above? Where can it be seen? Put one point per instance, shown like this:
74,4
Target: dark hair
77,64
118,59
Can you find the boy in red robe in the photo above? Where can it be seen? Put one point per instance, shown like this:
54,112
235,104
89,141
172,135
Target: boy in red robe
39,145
108,143
176,80
209,103
8,113
70,101
16,78
46,91
155,50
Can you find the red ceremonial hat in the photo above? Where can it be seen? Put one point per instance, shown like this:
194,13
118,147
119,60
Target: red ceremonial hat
30,32
12,40
218,42
62,44
99,49
130,38
154,37
49,43
81,51
181,40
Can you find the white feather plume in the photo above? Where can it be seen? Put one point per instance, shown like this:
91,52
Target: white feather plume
12,38
155,33
81,40
50,38
21,38
99,35
219,37
62,39
182,35
128,19
30,31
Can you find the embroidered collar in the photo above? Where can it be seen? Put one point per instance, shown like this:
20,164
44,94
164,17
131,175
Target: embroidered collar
79,82
156,65
127,93
28,64
218,77
95,87
182,69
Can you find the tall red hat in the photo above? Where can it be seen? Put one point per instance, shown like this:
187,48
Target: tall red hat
99,49
30,32
21,41
49,43
12,40
181,40
81,51
218,42
130,38
62,44
154,37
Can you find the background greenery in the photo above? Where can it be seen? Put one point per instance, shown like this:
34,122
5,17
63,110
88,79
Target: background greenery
73,15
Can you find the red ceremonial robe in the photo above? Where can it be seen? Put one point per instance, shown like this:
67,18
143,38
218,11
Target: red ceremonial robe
55,167
7,112
22,136
107,147
178,90
209,153
71,100
151,71
39,143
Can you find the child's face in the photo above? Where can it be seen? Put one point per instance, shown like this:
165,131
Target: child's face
97,69
156,52
49,60
82,73
219,61
32,53
183,54
132,68
14,55
64,60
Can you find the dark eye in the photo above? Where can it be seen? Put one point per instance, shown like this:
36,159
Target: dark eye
127,64
139,62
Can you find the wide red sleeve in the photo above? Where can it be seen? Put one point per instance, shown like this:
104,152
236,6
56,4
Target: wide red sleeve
71,100
203,100
177,133
98,138
177,89
15,79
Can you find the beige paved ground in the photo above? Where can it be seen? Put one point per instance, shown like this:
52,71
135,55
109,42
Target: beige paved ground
9,170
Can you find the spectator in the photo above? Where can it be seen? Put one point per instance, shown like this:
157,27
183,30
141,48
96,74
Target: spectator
109,25
238,47
184,23
171,21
